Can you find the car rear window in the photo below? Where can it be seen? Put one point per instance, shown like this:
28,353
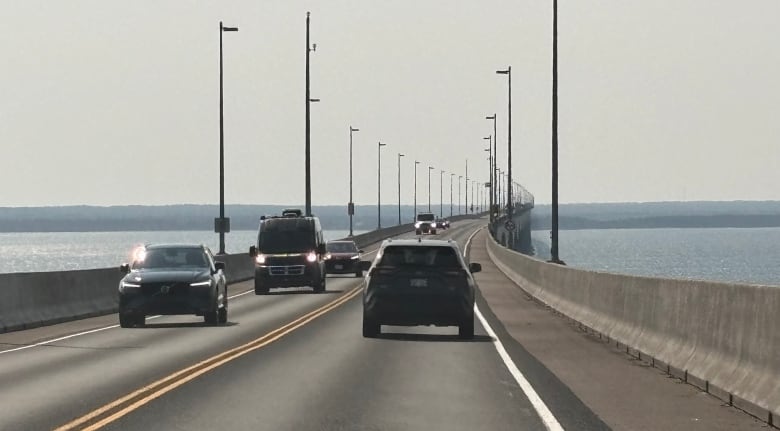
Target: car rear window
430,256
425,217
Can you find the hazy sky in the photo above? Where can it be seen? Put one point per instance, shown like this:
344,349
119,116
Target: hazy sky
111,103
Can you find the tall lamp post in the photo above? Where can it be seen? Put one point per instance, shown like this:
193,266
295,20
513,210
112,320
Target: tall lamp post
460,177
309,49
451,178
493,176
508,192
489,149
415,188
379,185
222,225
351,205
554,234
399,187
430,168
441,193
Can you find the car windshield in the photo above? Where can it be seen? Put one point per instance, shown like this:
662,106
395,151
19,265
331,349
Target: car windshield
342,247
425,217
431,256
179,257
286,241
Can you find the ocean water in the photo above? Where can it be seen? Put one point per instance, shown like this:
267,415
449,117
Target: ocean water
720,254
56,251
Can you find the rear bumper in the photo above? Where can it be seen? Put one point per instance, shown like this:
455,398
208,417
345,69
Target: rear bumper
418,309
345,266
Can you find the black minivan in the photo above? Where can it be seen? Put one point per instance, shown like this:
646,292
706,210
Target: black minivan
290,252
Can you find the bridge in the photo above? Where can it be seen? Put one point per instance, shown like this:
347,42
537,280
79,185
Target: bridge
556,348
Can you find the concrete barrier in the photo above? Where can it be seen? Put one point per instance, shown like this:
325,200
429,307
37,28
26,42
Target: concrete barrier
724,338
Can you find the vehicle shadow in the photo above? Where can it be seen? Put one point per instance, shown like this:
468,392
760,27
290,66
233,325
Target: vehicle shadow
184,325
301,292
398,336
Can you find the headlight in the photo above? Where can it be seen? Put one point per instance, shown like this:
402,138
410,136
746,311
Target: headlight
311,257
201,283
327,256
417,225
433,224
260,258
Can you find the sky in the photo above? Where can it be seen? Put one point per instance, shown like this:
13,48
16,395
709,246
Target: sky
116,102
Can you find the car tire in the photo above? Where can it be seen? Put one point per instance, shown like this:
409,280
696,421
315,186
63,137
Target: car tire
371,329
433,232
259,288
211,317
126,320
466,329
320,287
222,315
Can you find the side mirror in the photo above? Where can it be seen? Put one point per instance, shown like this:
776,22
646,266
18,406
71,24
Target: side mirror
361,251
219,266
321,249
253,251
124,268
365,265
475,267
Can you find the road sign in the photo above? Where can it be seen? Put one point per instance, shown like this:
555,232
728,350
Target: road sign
510,225
350,208
222,225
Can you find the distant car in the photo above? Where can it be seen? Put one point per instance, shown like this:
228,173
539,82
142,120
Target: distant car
343,257
442,223
425,223
172,279
419,282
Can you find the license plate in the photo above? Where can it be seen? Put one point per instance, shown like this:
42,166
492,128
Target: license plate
338,266
418,282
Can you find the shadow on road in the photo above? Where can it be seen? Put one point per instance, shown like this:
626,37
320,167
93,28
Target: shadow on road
183,325
300,292
433,338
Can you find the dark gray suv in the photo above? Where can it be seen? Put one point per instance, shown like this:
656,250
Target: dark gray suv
419,282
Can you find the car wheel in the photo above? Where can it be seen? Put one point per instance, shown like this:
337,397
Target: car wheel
211,317
466,329
371,329
259,288
320,288
222,315
126,320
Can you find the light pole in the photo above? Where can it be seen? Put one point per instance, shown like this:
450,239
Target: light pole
451,177
441,193
508,72
489,149
309,48
430,168
415,189
460,177
554,233
399,187
351,205
493,176
379,185
223,224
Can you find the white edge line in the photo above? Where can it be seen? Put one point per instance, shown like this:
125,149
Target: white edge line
92,331
548,419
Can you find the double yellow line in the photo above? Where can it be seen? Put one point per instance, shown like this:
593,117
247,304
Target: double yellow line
128,403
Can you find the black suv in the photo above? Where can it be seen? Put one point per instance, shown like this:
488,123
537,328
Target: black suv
290,252
416,282
172,279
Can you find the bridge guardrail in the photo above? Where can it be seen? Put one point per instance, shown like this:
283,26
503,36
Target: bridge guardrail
723,338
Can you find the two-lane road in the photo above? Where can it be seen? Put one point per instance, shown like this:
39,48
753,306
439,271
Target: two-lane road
291,360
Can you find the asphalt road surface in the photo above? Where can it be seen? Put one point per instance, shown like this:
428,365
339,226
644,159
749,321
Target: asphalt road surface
292,360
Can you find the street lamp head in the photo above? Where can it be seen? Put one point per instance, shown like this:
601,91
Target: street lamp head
416,162
229,28
314,100
487,137
352,129
504,72
431,168
400,155
491,117
381,144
